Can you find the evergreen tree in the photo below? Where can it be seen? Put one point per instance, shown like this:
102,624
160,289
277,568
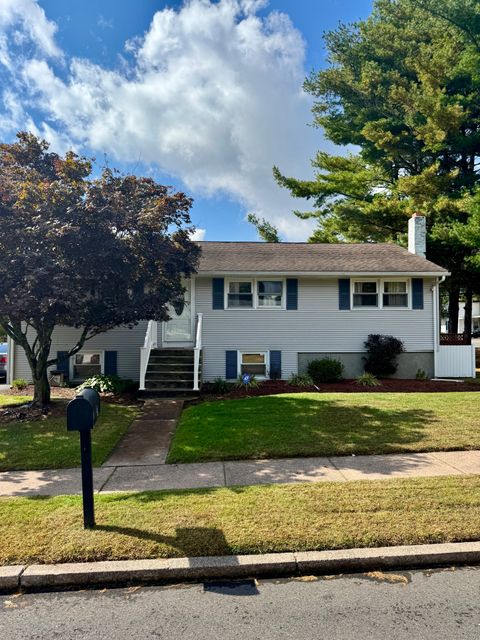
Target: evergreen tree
402,86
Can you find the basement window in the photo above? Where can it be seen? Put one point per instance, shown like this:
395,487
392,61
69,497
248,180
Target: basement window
254,364
86,364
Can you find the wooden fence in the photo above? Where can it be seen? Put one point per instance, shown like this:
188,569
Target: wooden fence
454,339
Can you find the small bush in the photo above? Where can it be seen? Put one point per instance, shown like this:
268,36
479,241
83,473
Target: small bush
247,381
219,385
421,375
107,384
19,384
325,370
368,380
300,380
382,354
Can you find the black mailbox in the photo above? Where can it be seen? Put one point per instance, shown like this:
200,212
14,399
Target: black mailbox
83,410
82,414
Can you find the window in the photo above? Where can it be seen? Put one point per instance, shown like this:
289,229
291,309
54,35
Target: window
365,293
240,294
253,363
269,293
395,294
86,364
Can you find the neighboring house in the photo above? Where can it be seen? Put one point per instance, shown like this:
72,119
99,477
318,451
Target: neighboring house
269,309
461,318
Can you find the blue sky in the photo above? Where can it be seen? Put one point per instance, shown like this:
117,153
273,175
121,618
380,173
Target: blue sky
204,96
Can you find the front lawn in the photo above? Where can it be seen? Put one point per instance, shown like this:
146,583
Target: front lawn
46,444
327,424
242,520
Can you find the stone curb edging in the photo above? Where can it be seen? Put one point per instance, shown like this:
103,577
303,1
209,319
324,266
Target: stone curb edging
121,572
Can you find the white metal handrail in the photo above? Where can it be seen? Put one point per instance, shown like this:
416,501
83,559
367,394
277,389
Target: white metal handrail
196,352
150,342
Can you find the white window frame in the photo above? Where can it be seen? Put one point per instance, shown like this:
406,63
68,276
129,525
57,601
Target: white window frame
227,291
83,352
254,282
380,291
265,354
408,290
352,293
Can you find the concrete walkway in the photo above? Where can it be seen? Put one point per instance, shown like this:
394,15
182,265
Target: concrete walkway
148,439
144,477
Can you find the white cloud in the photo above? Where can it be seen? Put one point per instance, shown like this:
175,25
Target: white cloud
198,234
213,97
25,21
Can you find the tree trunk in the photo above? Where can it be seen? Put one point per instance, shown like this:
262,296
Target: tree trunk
468,312
453,301
41,396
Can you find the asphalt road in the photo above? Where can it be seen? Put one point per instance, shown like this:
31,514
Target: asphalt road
442,604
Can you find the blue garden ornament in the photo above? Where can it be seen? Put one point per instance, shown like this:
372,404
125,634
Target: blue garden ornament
246,379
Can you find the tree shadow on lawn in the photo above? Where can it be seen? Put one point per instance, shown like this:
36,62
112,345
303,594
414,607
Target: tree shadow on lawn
281,426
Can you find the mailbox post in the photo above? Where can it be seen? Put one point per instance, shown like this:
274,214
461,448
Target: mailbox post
82,414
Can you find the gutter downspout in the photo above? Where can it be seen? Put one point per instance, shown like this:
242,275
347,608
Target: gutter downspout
436,313
10,360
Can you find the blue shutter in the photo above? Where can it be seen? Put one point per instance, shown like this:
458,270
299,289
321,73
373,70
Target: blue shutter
292,294
231,368
344,294
218,285
110,363
63,363
275,365
417,293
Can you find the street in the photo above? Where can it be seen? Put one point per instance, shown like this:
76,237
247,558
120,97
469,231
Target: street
417,605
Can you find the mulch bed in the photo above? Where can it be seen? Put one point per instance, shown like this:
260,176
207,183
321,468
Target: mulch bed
60,397
391,385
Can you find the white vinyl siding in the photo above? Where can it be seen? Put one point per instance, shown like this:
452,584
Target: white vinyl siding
126,342
317,326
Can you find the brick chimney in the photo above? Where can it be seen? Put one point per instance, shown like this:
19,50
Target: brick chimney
417,235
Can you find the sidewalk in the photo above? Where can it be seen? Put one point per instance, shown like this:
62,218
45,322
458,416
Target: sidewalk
249,472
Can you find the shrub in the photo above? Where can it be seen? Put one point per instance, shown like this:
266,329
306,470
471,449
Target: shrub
19,384
382,353
421,375
300,380
219,385
325,370
247,381
367,380
107,384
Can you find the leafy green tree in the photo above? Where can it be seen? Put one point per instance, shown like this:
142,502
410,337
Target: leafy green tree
403,87
82,252
266,231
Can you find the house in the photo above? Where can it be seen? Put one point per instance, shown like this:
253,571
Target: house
461,318
270,308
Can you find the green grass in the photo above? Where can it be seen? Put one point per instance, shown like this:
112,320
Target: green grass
12,401
257,519
46,444
326,424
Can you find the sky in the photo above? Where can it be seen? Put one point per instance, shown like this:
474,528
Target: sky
202,95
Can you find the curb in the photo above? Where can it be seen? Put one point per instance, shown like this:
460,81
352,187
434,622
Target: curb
121,572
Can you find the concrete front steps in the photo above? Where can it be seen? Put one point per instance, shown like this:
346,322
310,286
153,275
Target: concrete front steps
170,373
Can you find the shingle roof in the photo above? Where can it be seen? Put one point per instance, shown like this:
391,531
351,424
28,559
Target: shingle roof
292,257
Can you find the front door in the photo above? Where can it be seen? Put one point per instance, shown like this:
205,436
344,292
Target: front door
180,327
